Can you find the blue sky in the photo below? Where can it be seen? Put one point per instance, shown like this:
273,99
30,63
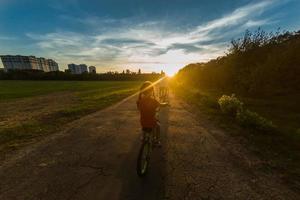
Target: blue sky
147,34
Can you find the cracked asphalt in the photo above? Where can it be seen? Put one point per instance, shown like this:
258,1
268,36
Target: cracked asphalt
95,158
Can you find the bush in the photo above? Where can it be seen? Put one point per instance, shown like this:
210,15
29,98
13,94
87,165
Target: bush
253,120
210,102
206,100
230,105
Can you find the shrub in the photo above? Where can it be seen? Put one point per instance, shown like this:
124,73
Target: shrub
206,100
210,102
230,105
253,120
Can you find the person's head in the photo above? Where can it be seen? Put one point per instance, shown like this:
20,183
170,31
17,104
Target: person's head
147,89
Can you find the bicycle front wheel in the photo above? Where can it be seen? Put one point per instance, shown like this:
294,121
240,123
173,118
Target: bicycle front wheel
143,159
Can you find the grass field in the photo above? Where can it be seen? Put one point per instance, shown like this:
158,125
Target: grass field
21,89
32,109
280,149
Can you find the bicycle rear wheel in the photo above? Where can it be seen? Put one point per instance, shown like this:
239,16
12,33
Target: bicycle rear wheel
143,159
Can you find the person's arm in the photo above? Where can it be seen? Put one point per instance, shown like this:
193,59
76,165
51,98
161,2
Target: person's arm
158,104
164,104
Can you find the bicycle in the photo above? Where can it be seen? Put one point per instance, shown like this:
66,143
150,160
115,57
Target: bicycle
145,151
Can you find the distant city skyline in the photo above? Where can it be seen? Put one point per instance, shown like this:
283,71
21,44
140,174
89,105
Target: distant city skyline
152,35
20,62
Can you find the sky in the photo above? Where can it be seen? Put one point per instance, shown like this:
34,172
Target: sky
152,35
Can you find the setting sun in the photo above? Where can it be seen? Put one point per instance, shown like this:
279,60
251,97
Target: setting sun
171,71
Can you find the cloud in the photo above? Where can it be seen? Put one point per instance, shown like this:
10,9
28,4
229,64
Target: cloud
129,42
58,40
236,17
257,23
252,23
2,37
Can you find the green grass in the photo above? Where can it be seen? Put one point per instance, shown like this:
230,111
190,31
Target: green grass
284,111
86,97
279,150
21,89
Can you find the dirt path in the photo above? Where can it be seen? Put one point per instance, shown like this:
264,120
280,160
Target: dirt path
95,158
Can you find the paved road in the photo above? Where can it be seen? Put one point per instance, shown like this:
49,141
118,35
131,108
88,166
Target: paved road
95,158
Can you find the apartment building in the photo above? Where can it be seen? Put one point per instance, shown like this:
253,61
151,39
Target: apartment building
92,69
53,66
77,69
19,62
43,64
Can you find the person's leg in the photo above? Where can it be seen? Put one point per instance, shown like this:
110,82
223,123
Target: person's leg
145,131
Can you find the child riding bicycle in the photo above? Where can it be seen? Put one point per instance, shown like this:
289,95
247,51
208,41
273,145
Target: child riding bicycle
148,105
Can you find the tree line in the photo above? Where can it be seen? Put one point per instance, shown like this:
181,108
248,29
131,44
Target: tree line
58,75
257,63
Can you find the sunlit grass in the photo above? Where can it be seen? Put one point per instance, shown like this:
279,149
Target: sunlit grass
84,97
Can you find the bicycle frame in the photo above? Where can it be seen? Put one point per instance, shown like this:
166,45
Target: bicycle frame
145,152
